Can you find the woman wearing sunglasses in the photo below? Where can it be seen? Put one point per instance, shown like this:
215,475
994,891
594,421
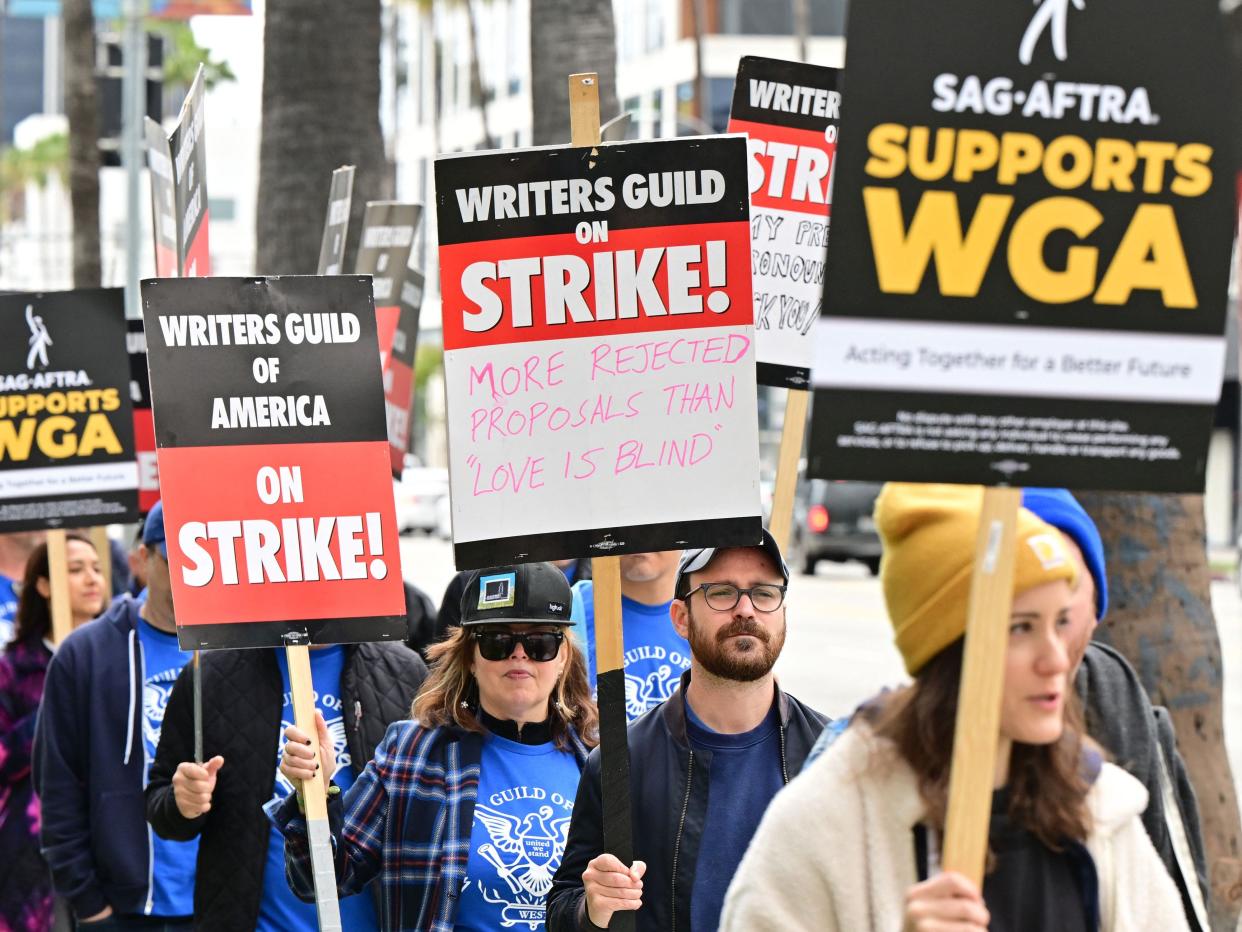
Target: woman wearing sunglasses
464,811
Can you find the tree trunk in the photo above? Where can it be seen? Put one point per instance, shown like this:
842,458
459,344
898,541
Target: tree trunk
702,106
1160,618
321,93
476,74
82,110
569,37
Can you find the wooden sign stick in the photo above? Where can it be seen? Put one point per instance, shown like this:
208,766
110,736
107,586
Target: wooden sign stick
58,579
103,547
314,793
983,677
781,521
606,576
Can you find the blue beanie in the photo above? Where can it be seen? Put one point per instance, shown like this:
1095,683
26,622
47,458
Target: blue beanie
1060,509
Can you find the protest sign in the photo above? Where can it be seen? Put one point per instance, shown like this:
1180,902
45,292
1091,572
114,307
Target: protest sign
144,421
1029,260
789,112
1030,249
336,223
599,349
388,230
163,200
271,387
66,422
189,151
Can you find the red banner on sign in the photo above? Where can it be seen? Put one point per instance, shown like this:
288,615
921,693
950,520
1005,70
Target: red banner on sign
277,535
531,288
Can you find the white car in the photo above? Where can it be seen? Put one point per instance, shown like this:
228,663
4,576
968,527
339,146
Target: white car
418,496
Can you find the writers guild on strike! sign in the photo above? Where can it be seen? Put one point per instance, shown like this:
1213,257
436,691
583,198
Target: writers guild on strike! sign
1033,232
599,347
278,537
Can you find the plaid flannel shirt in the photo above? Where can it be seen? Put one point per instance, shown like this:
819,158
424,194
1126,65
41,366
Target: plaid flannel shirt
407,819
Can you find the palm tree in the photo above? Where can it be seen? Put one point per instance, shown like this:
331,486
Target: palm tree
568,37
1160,617
82,110
321,91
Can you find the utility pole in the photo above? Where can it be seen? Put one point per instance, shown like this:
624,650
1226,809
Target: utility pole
133,108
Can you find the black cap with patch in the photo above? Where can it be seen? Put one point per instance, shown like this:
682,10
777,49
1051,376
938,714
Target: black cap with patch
533,592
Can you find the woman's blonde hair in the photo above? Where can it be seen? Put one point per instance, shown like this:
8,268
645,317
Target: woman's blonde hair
450,695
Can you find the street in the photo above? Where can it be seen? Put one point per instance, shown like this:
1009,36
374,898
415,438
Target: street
838,650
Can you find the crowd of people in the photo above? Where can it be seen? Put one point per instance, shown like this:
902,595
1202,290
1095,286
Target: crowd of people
465,786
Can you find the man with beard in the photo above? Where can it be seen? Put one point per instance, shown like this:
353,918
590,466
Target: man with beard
704,764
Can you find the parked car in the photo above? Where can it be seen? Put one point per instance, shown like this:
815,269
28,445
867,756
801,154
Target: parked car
832,521
418,495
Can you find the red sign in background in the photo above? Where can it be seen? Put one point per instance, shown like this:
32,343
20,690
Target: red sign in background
220,484
801,139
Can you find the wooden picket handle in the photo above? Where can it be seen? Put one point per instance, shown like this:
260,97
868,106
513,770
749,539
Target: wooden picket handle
781,521
103,547
313,792
58,580
606,582
977,729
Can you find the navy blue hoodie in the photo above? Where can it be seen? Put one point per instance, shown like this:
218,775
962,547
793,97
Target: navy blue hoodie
89,767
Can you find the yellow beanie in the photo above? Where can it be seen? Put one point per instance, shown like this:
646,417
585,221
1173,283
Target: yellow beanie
929,534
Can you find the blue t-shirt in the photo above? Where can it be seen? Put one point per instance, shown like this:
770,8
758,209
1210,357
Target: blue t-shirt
279,909
8,610
172,872
655,654
521,821
745,775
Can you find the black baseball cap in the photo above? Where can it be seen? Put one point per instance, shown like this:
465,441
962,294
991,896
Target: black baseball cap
696,559
531,592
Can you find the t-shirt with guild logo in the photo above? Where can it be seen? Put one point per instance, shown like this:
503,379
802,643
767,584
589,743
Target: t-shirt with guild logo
655,654
279,909
517,839
172,862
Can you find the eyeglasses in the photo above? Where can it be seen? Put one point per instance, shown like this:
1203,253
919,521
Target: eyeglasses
539,646
723,596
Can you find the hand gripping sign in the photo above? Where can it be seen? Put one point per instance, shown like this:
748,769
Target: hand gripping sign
1033,221
273,458
599,349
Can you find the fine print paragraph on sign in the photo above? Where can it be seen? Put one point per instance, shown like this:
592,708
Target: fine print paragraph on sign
956,432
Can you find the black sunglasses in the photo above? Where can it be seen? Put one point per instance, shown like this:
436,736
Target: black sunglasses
539,646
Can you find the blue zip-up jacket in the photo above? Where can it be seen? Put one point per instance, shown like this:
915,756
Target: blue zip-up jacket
89,767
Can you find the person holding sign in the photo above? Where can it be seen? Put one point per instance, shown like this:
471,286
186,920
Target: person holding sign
463,813
360,689
705,763
656,655
98,728
26,887
1068,848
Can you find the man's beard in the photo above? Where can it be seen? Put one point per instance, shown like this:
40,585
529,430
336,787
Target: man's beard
740,666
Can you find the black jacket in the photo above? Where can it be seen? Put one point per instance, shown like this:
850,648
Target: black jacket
242,705
668,798
88,760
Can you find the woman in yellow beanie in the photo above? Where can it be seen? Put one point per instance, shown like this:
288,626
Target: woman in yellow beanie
852,844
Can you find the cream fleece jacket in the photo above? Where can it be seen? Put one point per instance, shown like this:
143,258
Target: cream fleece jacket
835,853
